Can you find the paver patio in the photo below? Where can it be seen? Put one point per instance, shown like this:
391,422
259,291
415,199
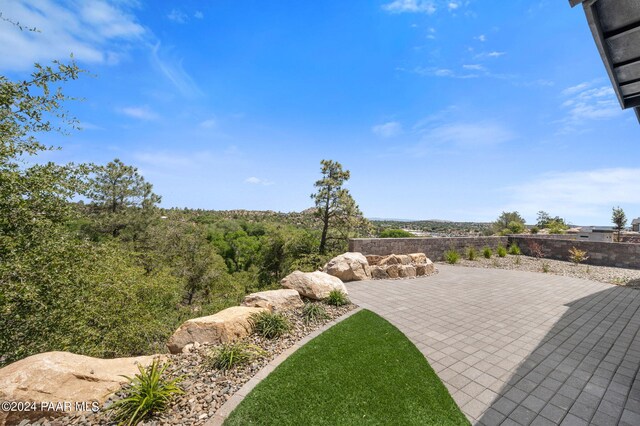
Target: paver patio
520,348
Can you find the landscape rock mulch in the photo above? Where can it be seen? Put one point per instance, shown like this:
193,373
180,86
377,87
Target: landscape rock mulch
605,274
207,389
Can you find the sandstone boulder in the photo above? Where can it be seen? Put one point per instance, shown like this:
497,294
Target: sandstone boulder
349,267
393,271
275,300
373,259
426,268
392,259
314,285
379,273
62,377
418,258
406,271
227,325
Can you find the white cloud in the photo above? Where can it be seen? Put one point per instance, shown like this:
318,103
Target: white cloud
492,54
140,113
576,89
387,130
474,67
442,72
445,130
209,123
172,69
175,163
584,103
92,30
410,6
453,5
257,181
176,15
481,38
198,15
578,194
468,134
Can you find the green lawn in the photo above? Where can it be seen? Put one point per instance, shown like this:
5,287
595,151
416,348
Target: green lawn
361,371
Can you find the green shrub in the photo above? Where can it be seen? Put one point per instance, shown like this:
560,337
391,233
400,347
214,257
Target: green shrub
148,392
535,230
516,227
471,253
502,252
337,298
270,324
557,227
313,312
514,249
228,355
64,294
451,256
487,253
395,233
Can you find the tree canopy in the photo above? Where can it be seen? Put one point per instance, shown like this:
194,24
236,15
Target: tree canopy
619,219
335,207
509,223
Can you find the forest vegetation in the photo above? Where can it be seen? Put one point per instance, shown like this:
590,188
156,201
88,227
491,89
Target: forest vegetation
89,262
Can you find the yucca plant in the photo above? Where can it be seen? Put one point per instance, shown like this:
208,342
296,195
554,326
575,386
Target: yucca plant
501,251
229,355
270,324
337,298
148,392
313,312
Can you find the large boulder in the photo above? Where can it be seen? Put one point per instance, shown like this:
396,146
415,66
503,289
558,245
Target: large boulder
373,259
62,377
225,326
418,258
379,273
275,300
392,259
393,271
349,266
314,285
406,271
426,268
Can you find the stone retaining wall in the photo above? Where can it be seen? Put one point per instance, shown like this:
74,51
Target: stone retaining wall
621,255
434,248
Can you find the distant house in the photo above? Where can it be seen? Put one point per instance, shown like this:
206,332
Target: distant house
635,224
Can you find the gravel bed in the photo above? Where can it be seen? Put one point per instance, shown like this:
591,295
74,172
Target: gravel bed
605,274
207,389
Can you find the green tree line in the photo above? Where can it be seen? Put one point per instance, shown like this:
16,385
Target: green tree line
90,264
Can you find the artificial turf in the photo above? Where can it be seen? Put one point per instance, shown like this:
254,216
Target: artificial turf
361,371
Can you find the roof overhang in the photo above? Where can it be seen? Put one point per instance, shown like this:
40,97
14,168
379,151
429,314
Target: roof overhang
615,25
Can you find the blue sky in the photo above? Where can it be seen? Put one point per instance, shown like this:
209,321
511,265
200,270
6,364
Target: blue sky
440,109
